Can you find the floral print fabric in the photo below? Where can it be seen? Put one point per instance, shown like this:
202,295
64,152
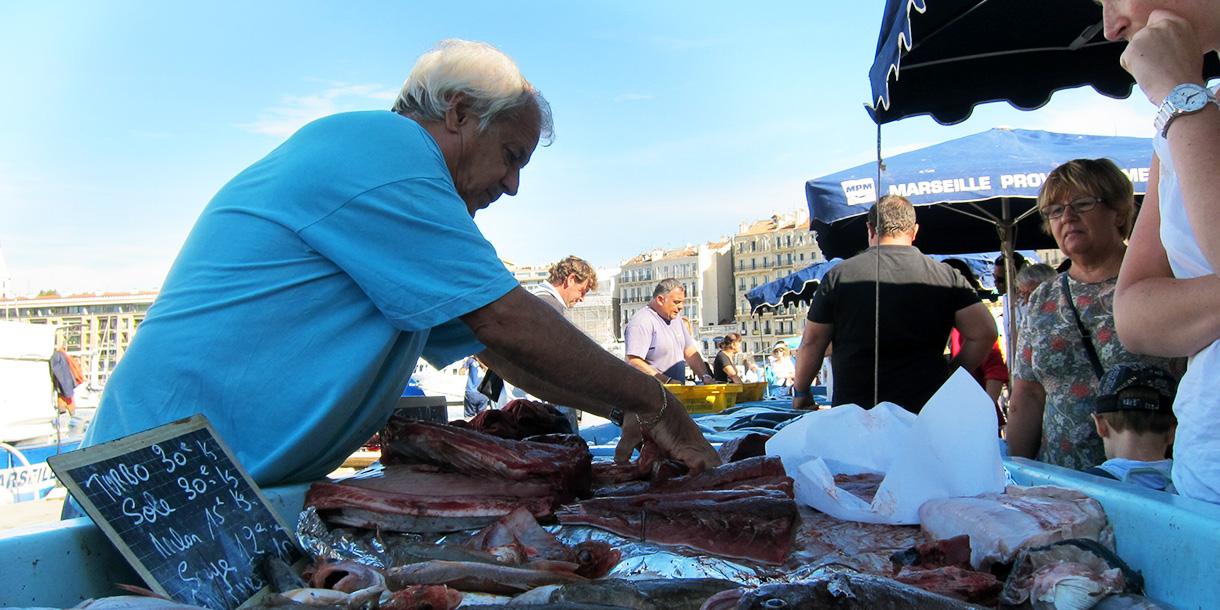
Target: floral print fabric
1051,352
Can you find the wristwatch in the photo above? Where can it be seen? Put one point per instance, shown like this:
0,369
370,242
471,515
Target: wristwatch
616,416
1187,98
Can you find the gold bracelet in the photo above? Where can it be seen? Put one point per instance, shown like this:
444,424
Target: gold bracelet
656,420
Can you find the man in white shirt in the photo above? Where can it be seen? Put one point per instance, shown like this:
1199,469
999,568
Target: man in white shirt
568,282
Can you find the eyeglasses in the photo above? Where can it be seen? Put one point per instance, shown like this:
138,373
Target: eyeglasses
1080,206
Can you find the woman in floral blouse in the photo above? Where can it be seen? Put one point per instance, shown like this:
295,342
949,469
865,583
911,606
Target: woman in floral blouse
1089,208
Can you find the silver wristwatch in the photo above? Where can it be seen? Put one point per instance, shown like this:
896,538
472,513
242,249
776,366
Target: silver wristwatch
1187,98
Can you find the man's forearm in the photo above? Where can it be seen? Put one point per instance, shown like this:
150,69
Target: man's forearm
695,360
540,344
815,340
543,388
972,354
648,369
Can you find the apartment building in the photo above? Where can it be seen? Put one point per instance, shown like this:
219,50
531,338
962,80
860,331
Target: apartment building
704,270
94,328
763,251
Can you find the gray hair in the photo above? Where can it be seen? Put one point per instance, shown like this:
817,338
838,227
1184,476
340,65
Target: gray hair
484,74
1032,275
667,286
893,215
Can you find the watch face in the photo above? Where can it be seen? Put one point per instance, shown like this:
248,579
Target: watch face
1189,97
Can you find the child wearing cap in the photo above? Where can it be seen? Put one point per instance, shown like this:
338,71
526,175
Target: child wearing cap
1134,418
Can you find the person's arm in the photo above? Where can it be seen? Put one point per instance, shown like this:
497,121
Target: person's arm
695,360
649,369
814,341
730,371
1155,313
538,344
1025,408
1162,55
543,388
993,387
977,329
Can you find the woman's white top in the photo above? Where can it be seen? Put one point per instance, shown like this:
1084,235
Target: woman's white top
1196,452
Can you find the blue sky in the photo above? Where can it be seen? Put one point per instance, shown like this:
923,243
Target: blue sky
675,121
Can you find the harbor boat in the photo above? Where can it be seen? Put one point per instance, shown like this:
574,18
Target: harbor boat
32,428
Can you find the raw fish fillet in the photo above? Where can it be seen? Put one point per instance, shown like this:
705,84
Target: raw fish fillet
745,523
764,472
358,505
566,467
1000,525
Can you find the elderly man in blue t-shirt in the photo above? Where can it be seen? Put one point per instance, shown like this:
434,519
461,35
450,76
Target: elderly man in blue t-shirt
315,279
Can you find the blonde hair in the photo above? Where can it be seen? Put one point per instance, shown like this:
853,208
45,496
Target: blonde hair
1098,178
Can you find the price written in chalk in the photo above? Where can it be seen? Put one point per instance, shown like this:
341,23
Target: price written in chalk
182,510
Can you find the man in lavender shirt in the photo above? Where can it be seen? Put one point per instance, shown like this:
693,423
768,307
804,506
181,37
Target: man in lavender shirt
658,343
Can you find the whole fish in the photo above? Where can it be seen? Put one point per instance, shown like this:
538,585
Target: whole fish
481,577
134,602
837,591
644,594
346,576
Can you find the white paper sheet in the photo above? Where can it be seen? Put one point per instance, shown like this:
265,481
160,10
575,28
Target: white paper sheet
949,450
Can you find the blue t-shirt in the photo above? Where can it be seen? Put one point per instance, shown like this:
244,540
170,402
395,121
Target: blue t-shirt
305,294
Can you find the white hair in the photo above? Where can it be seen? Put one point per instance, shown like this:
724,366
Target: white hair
485,75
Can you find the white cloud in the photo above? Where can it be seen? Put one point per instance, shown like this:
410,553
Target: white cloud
295,111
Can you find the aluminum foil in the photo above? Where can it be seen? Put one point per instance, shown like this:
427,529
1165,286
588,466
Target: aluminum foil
820,541
339,543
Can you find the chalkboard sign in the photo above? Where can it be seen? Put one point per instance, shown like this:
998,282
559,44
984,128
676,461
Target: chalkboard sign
179,507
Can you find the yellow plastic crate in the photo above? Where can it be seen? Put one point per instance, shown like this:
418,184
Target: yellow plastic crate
706,398
751,392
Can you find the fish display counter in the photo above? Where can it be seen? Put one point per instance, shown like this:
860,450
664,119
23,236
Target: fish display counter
1170,540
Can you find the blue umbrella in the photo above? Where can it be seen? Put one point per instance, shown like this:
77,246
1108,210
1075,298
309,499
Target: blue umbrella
941,57
972,194
799,287
793,288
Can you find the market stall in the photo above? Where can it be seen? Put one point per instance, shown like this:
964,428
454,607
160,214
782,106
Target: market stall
619,532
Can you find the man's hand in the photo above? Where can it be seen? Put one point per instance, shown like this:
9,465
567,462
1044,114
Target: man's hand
676,435
803,402
628,441
1164,54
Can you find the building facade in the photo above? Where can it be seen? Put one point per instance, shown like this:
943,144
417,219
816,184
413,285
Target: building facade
764,251
95,329
704,270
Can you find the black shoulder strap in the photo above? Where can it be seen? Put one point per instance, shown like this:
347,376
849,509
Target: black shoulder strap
1100,472
1084,332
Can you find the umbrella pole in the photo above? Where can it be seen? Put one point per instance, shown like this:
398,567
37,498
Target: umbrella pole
1007,236
877,285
